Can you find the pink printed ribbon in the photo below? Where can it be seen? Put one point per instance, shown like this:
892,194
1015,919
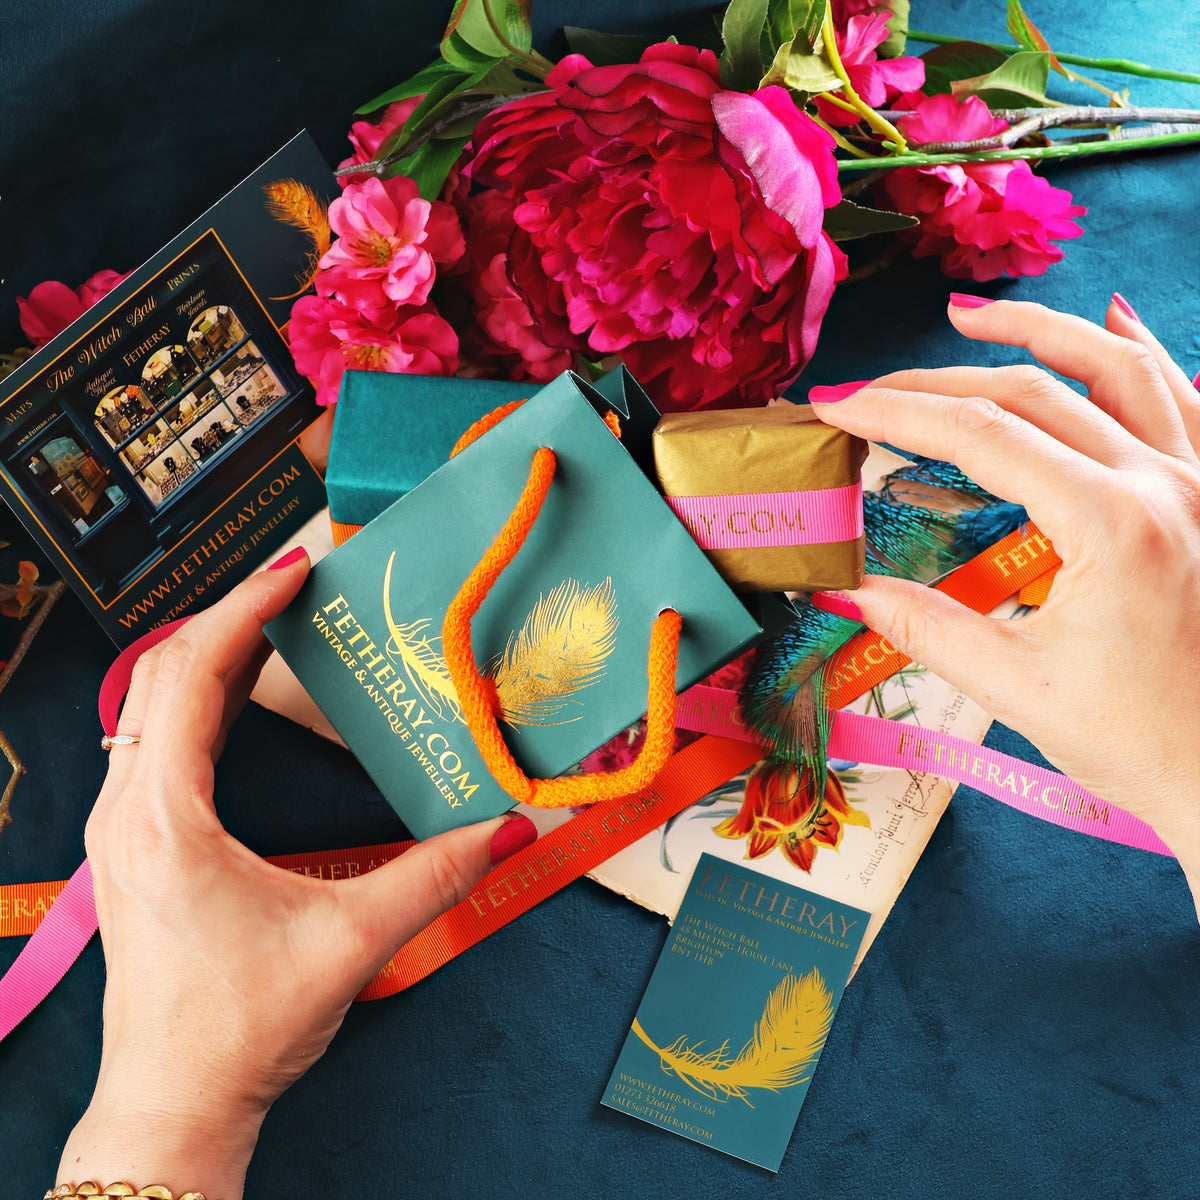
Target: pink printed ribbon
47,956
68,926
752,520
856,738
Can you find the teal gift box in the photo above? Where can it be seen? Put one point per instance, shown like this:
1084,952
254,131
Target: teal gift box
567,623
391,431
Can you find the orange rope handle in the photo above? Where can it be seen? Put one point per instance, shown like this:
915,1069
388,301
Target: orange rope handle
486,422
477,695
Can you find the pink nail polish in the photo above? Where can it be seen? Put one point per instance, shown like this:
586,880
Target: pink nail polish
839,391
292,556
962,300
1125,307
837,603
517,832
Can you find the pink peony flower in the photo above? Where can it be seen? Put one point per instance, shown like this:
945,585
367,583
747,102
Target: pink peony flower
327,336
875,80
659,217
983,220
51,306
503,340
367,136
388,245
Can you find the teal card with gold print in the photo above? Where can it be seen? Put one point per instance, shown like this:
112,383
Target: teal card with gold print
734,1017
564,633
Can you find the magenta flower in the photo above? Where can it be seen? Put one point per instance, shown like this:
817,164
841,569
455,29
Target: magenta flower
327,336
389,244
51,306
662,218
983,220
368,136
875,80
504,340
843,10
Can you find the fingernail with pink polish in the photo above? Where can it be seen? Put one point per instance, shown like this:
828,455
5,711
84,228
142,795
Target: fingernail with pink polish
292,556
839,391
515,834
962,300
1125,307
838,604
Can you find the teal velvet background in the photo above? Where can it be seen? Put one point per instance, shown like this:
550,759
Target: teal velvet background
1027,1024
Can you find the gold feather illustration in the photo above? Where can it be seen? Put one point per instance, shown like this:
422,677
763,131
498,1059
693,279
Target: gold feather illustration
560,649
787,1039
296,204
421,657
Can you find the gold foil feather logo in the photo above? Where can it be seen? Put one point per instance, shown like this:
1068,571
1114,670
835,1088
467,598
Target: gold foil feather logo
787,1039
421,657
296,204
561,648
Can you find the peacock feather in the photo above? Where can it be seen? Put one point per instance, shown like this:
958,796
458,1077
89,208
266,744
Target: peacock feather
926,518
561,648
787,1039
296,204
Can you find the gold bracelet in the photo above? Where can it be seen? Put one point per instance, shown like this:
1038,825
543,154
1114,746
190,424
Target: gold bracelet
156,1191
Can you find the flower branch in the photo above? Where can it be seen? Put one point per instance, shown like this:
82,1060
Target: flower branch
1031,121
1010,154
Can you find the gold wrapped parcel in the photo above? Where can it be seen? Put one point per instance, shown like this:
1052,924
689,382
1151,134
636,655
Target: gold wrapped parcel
780,448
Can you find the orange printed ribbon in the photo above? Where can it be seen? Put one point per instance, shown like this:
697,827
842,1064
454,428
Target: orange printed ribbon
512,888
1000,571
23,905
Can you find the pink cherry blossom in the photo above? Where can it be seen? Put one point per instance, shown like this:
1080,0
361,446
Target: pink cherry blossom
983,220
327,336
51,306
389,244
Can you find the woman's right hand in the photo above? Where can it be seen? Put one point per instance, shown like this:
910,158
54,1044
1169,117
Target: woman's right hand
1102,677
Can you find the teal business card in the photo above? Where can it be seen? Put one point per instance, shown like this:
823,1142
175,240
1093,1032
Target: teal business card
737,1010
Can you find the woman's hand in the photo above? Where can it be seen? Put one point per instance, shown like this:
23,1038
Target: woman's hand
1102,677
227,977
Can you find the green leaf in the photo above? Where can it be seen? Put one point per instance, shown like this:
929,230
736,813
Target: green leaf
897,36
606,49
430,165
800,68
742,29
790,22
470,22
459,53
417,85
1027,34
944,65
1017,82
443,92
846,221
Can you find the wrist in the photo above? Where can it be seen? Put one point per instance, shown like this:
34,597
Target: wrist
144,1135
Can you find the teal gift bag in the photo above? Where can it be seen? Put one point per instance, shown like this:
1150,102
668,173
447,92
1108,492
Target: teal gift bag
562,636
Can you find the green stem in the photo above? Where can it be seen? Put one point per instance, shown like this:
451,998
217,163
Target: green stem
1121,66
872,118
1057,150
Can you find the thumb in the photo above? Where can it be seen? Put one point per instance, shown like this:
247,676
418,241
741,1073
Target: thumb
979,655
394,902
